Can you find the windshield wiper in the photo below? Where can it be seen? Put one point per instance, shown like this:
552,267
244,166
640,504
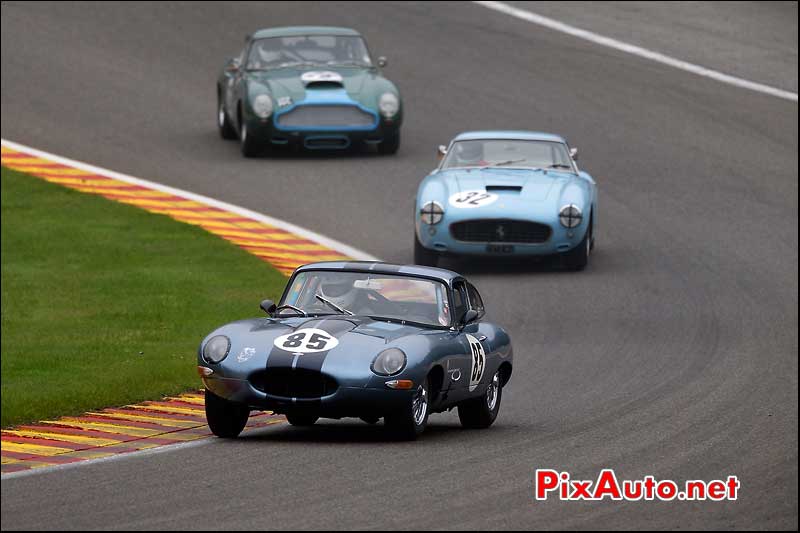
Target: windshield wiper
333,305
503,163
560,165
347,64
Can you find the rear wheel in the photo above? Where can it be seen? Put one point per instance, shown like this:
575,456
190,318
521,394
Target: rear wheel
226,130
481,412
225,418
302,420
390,144
423,256
409,422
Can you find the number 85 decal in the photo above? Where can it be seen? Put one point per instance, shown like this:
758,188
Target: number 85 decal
306,340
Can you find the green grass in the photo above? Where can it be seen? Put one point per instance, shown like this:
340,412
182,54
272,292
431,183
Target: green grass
104,304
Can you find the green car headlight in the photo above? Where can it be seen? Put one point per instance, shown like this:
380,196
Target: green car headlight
389,362
262,105
216,349
389,104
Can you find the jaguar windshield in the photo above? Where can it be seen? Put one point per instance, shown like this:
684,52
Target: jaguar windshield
380,296
509,153
308,50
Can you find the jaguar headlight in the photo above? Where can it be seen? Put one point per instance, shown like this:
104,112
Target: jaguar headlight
570,216
389,362
262,105
431,213
216,349
388,104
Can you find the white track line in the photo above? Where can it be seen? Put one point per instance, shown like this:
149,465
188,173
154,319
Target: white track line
334,245
658,57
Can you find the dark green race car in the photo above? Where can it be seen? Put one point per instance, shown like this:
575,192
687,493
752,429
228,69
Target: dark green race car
314,87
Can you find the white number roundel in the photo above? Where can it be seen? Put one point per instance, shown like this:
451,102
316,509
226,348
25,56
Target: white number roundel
478,356
306,340
472,199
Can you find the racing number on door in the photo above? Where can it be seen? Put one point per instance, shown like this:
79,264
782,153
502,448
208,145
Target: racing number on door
478,356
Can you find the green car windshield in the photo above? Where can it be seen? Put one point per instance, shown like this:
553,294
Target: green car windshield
308,50
381,296
508,153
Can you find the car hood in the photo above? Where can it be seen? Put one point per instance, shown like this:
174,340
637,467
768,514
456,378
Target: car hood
524,185
358,340
290,83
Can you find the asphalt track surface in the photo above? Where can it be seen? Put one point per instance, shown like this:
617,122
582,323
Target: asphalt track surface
674,354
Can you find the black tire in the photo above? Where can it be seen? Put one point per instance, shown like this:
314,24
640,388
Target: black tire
226,419
226,129
247,143
301,420
371,420
423,256
404,424
481,412
390,144
577,258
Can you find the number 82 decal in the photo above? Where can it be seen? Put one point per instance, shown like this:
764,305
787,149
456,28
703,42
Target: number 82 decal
306,340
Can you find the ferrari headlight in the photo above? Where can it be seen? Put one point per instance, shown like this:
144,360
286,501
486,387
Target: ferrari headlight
216,349
262,105
389,362
431,213
389,104
570,216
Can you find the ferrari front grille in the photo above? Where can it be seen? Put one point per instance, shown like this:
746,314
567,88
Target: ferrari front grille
500,230
293,383
326,116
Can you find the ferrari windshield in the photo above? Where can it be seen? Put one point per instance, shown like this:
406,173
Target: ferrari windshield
381,296
508,153
308,50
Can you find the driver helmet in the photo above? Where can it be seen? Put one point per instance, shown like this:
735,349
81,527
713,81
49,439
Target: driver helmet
339,291
469,151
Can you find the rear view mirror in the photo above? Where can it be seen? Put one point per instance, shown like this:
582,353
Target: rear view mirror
382,61
574,153
268,306
441,151
470,316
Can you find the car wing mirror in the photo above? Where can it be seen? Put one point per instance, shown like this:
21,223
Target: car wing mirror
232,66
470,315
268,306
382,61
573,152
441,152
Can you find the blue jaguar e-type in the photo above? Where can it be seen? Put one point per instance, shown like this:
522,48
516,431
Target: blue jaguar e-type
506,192
360,339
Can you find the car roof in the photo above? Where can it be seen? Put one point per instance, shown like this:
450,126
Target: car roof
447,276
288,31
509,134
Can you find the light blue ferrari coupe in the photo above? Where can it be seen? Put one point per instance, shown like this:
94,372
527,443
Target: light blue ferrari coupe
501,193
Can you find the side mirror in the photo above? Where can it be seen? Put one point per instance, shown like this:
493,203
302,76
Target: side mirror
573,152
470,316
382,61
268,306
441,152
232,66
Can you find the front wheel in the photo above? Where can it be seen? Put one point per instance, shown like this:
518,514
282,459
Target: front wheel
226,419
247,141
390,144
481,412
423,256
226,130
577,258
302,420
409,422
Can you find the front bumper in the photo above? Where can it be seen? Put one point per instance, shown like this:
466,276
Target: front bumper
438,238
347,401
